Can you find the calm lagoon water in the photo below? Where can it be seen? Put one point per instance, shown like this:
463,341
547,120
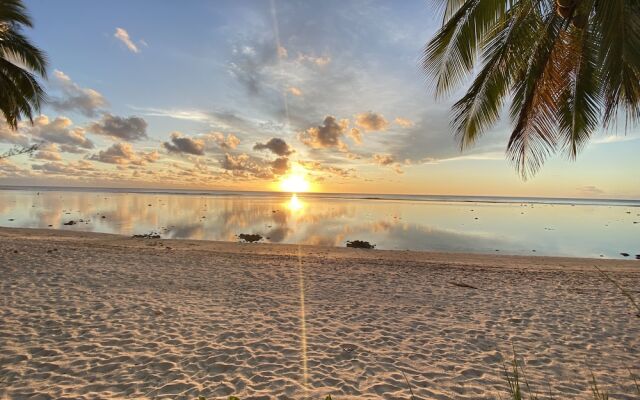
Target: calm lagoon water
559,227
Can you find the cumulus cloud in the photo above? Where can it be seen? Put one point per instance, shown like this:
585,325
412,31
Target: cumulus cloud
276,145
245,166
403,122
60,131
280,166
124,154
327,135
115,127
123,36
387,160
184,144
8,135
218,139
370,121
49,152
75,98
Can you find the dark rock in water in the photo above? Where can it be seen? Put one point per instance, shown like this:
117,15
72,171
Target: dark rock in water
11,219
637,256
72,222
250,237
624,254
104,216
360,244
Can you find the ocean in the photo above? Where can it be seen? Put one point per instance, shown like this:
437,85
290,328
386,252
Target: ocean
596,228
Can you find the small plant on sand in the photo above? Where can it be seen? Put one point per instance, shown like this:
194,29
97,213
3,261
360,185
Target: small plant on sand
635,381
597,394
622,290
514,375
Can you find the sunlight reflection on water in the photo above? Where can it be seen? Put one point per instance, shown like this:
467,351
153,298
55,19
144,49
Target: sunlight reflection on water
512,228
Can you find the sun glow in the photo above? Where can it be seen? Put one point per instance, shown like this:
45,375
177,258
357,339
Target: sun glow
295,183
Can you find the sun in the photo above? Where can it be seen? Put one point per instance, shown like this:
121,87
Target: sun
294,183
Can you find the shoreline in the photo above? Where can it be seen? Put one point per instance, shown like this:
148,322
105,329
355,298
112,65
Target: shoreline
90,315
263,248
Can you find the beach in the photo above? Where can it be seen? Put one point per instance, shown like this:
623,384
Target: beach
92,315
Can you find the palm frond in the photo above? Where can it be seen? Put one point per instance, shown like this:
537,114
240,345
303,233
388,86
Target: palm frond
619,24
450,56
533,109
480,107
14,12
581,100
15,47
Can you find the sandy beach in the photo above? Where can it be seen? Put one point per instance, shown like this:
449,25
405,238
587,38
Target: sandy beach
88,316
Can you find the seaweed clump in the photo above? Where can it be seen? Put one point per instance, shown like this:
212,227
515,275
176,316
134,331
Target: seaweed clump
360,244
150,235
250,237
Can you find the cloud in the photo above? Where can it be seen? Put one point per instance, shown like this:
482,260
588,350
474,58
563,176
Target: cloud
124,154
251,63
60,131
327,135
294,91
280,166
75,98
320,61
613,139
231,141
115,127
387,160
8,135
591,190
183,144
371,121
355,135
276,145
245,166
80,167
123,36
49,152
317,166
403,122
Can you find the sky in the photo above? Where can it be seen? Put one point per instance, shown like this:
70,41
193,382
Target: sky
242,95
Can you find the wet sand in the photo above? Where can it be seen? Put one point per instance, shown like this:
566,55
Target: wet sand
86,316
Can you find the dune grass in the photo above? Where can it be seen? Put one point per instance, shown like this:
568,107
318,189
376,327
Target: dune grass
518,387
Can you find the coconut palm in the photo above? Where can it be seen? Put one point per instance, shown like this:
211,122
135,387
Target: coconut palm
21,63
566,66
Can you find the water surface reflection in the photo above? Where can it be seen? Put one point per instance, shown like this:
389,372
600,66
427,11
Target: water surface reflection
583,230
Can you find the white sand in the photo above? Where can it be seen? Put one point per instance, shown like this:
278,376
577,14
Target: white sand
106,316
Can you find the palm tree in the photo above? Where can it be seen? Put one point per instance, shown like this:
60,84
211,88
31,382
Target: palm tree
20,63
566,66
